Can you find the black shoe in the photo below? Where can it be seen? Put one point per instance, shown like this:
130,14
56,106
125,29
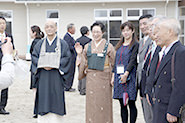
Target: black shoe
35,116
82,93
3,111
70,90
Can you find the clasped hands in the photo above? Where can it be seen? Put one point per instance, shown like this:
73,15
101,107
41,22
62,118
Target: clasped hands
124,77
48,68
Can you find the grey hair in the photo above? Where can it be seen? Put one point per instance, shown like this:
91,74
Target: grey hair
160,17
156,20
173,24
69,26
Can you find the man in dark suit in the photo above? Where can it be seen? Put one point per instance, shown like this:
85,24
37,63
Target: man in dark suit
169,97
71,42
84,39
149,72
143,51
4,93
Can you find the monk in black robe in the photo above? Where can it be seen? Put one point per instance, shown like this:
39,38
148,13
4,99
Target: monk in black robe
50,63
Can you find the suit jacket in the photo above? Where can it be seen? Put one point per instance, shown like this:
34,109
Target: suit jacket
9,35
83,40
150,75
71,42
140,58
168,99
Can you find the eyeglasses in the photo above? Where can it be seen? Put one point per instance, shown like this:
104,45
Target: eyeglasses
96,32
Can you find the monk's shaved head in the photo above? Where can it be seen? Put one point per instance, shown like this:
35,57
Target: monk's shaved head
50,22
50,28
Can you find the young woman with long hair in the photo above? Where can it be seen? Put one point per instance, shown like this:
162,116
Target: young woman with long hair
124,72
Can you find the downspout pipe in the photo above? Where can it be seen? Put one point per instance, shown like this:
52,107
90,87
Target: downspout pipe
166,4
28,56
177,9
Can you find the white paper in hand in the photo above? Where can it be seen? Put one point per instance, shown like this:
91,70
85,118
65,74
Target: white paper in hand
21,70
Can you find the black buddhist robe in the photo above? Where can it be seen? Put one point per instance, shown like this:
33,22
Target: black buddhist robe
50,83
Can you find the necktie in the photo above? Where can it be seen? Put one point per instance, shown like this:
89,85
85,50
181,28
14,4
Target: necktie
148,51
159,62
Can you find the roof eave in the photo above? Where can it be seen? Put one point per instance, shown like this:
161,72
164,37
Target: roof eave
93,1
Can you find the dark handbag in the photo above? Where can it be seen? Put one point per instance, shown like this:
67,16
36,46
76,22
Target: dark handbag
182,109
182,113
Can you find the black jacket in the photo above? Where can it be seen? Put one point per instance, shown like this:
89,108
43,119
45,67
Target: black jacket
34,42
133,59
169,99
83,40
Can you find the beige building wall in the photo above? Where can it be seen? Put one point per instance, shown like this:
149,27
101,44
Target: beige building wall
80,14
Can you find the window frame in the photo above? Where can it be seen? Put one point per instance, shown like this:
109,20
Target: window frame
9,19
54,19
108,19
182,35
182,17
135,18
149,9
179,11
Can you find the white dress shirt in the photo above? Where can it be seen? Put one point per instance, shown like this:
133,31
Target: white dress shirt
145,38
161,53
169,47
7,72
165,50
154,46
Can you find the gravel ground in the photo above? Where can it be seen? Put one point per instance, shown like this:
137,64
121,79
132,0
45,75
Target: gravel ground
21,101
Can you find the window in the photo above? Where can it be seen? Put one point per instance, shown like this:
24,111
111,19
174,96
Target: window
53,15
182,23
148,11
182,35
101,13
112,19
115,13
182,26
182,11
133,15
7,14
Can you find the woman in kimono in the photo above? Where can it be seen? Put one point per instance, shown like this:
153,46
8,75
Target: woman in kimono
124,76
95,62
